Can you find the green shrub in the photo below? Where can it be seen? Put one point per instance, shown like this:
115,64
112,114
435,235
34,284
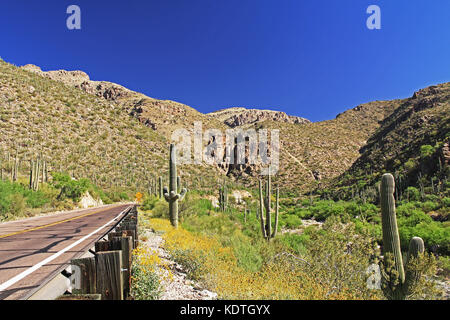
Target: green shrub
36,199
247,255
124,196
414,218
149,202
430,206
15,198
297,243
145,285
406,209
70,189
410,165
160,210
426,151
412,193
326,208
290,221
434,234
18,204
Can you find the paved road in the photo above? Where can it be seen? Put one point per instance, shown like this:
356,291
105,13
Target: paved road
31,250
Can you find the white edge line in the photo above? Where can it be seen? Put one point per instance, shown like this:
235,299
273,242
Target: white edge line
27,272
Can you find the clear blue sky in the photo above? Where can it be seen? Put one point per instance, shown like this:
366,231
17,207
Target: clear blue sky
311,58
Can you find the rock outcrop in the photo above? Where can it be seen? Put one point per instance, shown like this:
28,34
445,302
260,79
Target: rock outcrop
236,117
87,201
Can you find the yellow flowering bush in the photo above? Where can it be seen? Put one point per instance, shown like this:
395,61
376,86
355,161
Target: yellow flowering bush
216,267
145,282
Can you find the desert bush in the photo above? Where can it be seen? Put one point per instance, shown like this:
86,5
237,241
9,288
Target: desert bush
295,242
18,204
16,198
428,206
338,257
290,221
71,189
160,209
149,202
145,282
217,268
412,193
434,234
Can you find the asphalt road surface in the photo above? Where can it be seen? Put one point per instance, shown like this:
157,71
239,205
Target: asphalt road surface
33,250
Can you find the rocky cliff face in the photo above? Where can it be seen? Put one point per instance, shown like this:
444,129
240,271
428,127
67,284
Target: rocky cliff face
81,80
236,117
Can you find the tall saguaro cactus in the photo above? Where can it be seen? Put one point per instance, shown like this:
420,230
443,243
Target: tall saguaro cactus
265,204
160,187
171,195
31,174
223,197
396,284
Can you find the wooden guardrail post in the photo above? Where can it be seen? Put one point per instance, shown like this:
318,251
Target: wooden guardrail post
127,247
113,235
109,275
85,275
129,229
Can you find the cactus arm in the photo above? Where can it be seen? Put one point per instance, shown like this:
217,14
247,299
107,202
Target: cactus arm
412,276
182,194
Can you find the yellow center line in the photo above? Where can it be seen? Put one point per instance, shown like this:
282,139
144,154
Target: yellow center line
52,224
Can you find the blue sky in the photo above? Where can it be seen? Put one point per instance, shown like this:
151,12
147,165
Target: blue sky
310,58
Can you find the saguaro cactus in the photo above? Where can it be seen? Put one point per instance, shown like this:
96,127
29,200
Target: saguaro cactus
223,198
31,174
265,204
170,194
160,187
15,175
395,284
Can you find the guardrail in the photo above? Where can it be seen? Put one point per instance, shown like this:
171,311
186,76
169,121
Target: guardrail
104,272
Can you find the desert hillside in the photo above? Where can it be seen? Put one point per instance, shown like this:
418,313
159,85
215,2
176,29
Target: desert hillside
105,131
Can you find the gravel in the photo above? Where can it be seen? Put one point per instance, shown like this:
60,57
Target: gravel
177,286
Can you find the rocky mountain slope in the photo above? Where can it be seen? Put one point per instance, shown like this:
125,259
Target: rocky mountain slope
106,131
413,143
314,153
238,117
89,134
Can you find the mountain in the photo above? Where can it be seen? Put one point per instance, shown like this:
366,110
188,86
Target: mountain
118,136
315,153
412,143
238,116
90,129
